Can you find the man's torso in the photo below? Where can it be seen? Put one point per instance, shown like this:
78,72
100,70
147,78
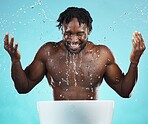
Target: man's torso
74,76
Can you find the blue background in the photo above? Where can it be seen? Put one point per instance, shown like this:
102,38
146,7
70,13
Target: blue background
33,23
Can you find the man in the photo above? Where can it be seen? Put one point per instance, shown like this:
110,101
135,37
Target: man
74,66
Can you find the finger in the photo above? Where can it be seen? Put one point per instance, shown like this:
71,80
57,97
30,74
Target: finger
15,47
142,44
138,36
11,42
134,40
134,44
137,41
6,39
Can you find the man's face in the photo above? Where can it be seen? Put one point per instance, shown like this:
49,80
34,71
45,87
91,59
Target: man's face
75,35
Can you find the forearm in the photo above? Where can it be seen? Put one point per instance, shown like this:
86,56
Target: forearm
19,77
130,79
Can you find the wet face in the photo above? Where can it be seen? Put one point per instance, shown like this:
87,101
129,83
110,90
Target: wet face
75,36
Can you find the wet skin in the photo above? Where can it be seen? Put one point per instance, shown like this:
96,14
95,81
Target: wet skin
75,67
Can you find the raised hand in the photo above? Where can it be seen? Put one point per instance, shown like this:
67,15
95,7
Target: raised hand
138,47
11,48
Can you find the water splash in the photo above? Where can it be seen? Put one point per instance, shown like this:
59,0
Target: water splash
68,70
52,82
80,60
137,14
44,14
73,61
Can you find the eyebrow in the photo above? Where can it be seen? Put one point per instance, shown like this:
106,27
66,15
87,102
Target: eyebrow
77,32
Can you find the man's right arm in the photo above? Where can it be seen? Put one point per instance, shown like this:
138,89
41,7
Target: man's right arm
19,77
24,80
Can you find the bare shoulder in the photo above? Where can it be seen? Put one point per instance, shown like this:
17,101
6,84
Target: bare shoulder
49,45
104,49
104,52
98,47
46,50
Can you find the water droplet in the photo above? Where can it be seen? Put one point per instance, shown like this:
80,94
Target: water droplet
76,73
92,90
59,83
32,6
91,97
48,53
87,88
39,2
51,60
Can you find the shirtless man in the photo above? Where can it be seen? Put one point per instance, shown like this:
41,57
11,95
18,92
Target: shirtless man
74,66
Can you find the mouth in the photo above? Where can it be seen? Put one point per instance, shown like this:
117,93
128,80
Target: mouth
73,45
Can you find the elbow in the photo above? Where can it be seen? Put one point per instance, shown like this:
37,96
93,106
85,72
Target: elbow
22,91
125,95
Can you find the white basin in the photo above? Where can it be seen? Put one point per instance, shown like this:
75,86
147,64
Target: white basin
76,112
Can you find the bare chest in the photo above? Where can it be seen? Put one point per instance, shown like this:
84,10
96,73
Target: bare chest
72,70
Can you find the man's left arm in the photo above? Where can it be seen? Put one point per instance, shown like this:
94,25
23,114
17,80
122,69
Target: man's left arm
124,84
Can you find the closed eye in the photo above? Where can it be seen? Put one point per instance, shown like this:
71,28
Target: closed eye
80,33
68,33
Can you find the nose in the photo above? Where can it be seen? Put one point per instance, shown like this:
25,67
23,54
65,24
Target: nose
74,38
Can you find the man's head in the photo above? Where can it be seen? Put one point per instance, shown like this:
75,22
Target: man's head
76,25
81,14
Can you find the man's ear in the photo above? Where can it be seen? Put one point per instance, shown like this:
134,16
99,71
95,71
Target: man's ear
62,30
89,32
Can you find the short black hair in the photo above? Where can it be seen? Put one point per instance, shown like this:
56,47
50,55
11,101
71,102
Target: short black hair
81,14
